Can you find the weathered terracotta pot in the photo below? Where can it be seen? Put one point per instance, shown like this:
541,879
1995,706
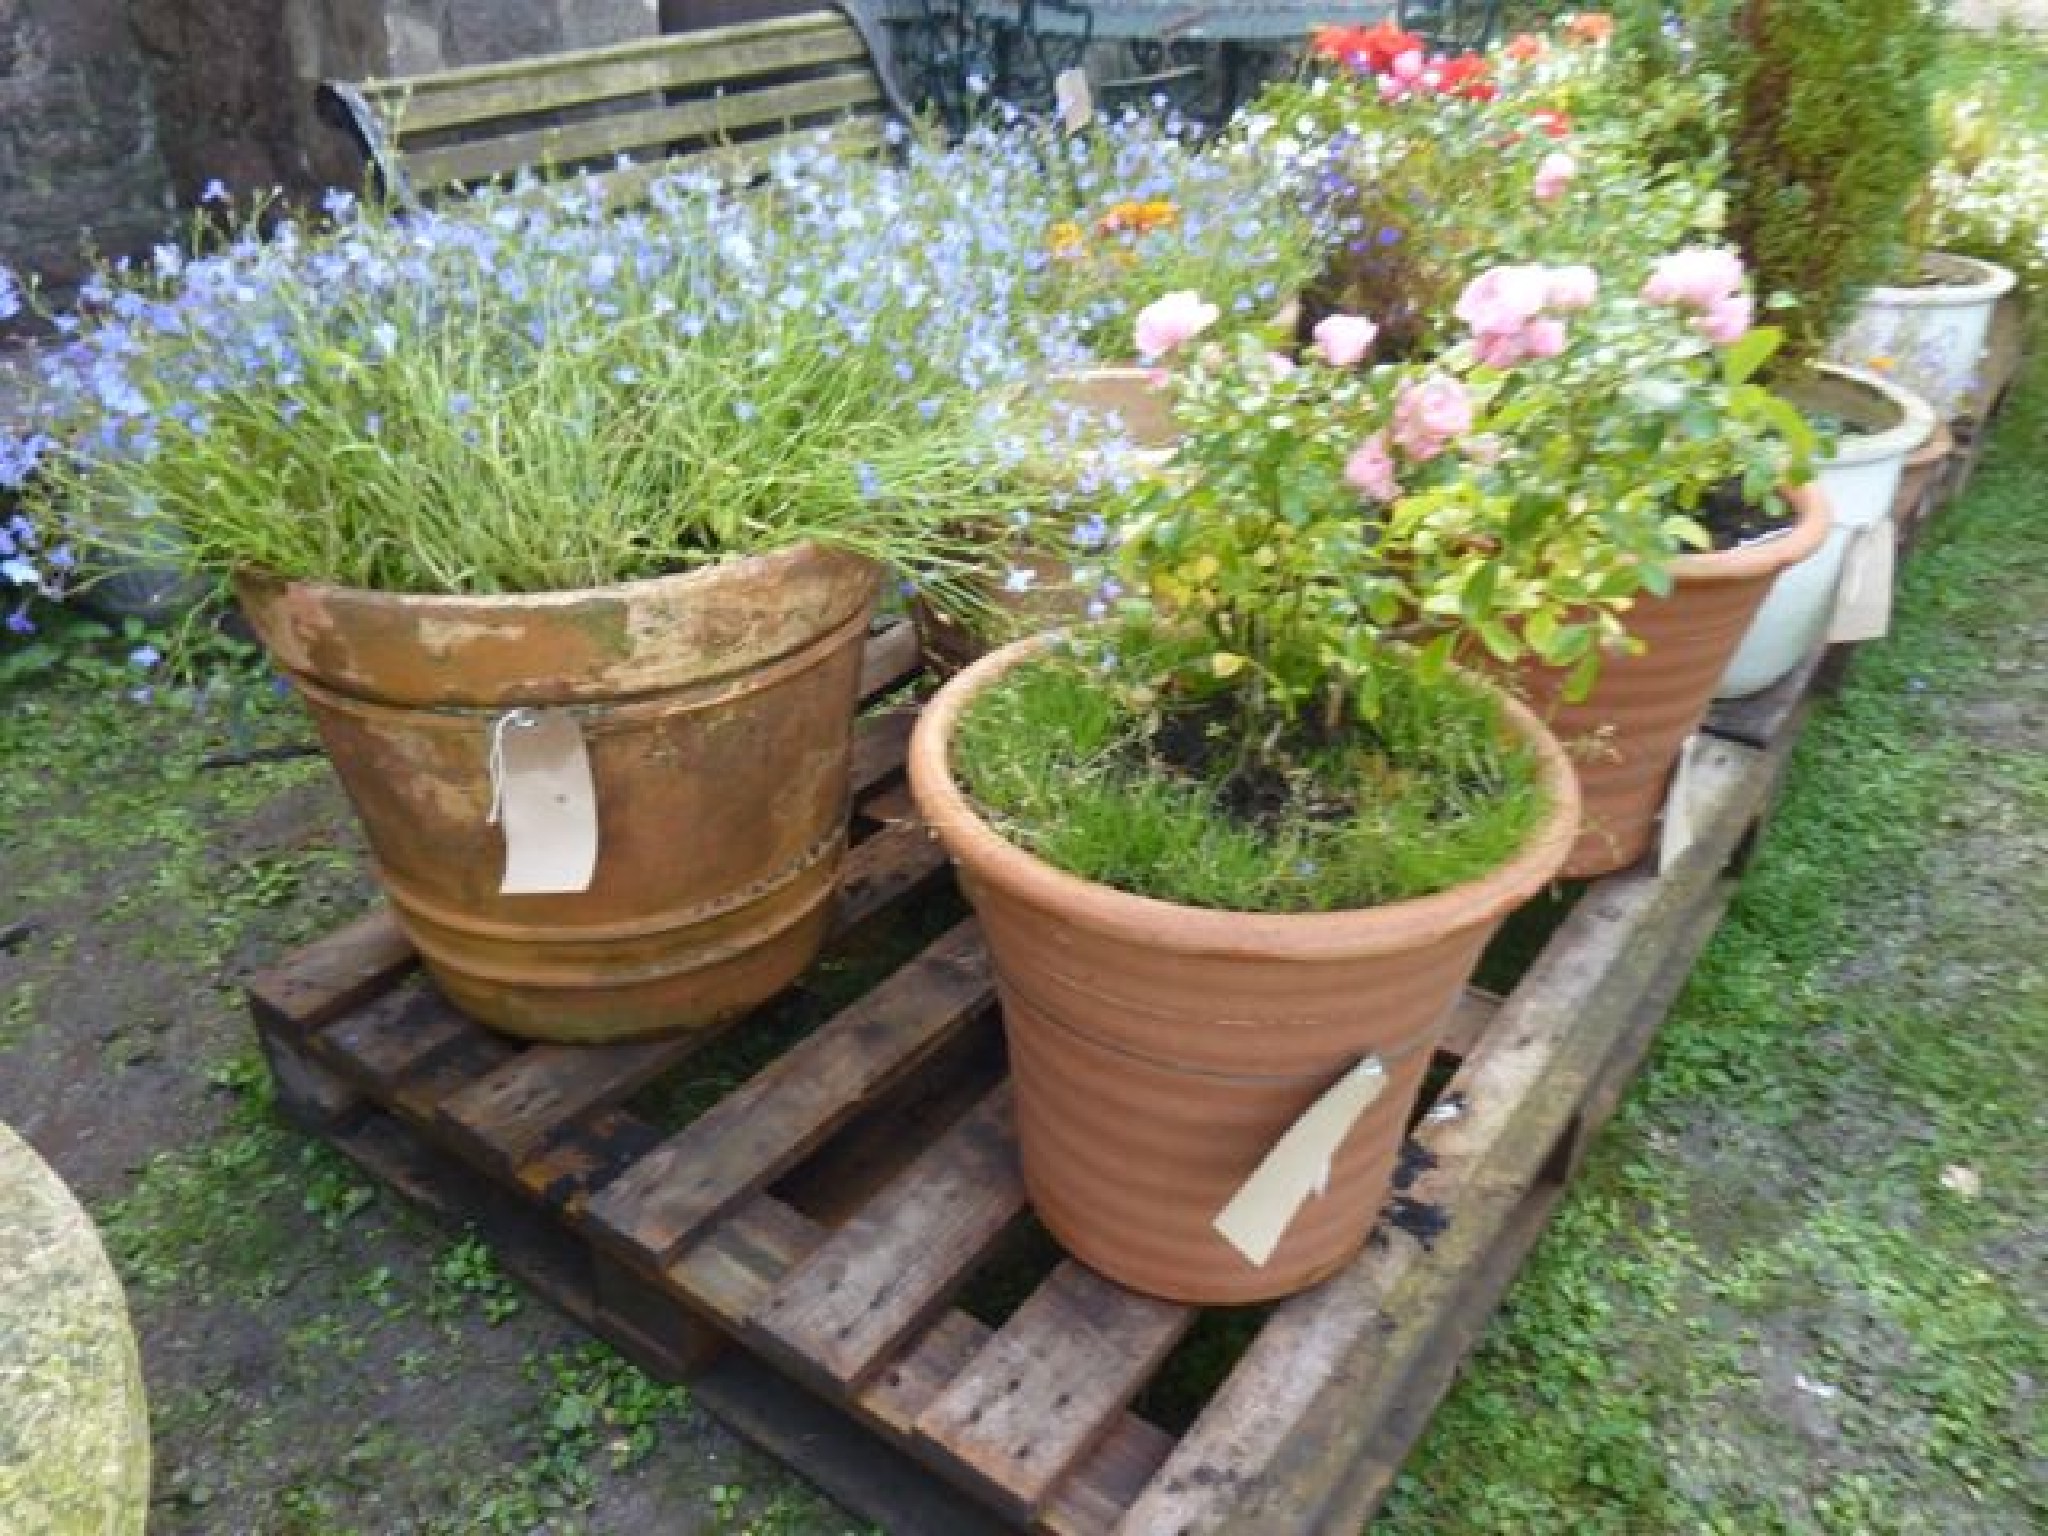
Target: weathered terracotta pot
1160,1051
1625,736
1919,494
716,707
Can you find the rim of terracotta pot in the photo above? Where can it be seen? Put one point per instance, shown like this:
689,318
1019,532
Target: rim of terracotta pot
453,605
1959,280
638,658
1913,424
1386,929
1786,547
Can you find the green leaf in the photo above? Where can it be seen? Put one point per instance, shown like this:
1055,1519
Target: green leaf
1741,361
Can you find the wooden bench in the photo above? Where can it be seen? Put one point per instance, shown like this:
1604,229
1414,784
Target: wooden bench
725,97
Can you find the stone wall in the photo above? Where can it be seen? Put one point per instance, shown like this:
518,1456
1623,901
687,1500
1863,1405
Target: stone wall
427,35
79,159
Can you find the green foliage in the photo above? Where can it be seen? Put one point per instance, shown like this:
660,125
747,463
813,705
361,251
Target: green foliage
1427,797
1832,140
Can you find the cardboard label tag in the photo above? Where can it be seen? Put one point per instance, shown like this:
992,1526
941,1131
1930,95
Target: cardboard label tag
1075,101
540,777
1680,814
1863,600
1298,1167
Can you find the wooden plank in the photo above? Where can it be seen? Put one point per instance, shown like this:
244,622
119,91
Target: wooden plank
1247,1459
492,93
1050,1384
330,976
1470,1018
635,132
889,1270
837,1453
1765,717
891,660
1469,1278
739,164
380,1043
879,744
500,1118
764,1127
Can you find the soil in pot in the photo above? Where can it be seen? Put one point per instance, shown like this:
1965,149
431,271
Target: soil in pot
1160,1048
716,707
1625,735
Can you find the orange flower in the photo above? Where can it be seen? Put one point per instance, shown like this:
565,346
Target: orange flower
1138,218
1590,27
1525,47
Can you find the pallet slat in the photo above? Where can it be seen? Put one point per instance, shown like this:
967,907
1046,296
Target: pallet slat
335,974
1050,1383
884,1273
763,1127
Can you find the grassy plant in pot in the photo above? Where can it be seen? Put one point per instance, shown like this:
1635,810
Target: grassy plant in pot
567,528
1633,428
1236,848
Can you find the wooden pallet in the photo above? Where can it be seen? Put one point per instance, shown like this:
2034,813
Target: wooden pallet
800,1251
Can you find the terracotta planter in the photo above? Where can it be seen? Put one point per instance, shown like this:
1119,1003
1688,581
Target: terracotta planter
1625,736
1140,397
1882,426
1920,490
1160,1051
1933,333
716,707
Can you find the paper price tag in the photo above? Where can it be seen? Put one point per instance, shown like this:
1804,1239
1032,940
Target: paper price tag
1681,819
1076,103
1298,1167
1863,600
540,774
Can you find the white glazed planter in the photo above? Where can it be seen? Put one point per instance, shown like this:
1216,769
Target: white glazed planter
1931,335
1860,482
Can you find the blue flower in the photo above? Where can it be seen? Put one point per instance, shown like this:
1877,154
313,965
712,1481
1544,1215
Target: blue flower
215,191
870,483
144,657
20,573
1019,580
18,621
10,295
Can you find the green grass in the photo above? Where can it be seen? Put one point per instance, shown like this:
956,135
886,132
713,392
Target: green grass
1772,1303
1434,797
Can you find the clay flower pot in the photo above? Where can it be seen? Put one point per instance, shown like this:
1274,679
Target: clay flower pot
1160,1051
1625,736
716,707
1883,426
1140,397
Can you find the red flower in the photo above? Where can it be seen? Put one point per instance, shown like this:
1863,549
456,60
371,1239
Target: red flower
1555,124
1524,47
1369,50
1465,76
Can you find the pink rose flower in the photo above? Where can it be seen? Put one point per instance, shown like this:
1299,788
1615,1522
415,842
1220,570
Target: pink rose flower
1484,449
1407,67
1281,364
1429,414
1544,338
1370,470
1554,175
1499,349
1727,320
1344,339
1502,300
1571,288
1171,321
1695,278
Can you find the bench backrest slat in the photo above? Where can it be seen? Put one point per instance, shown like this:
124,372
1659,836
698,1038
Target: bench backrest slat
666,99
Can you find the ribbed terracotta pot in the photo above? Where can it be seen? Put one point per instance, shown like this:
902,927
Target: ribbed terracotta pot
716,707
1625,735
1160,1051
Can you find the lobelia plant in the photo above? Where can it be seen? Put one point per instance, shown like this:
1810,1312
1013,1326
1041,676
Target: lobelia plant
527,393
